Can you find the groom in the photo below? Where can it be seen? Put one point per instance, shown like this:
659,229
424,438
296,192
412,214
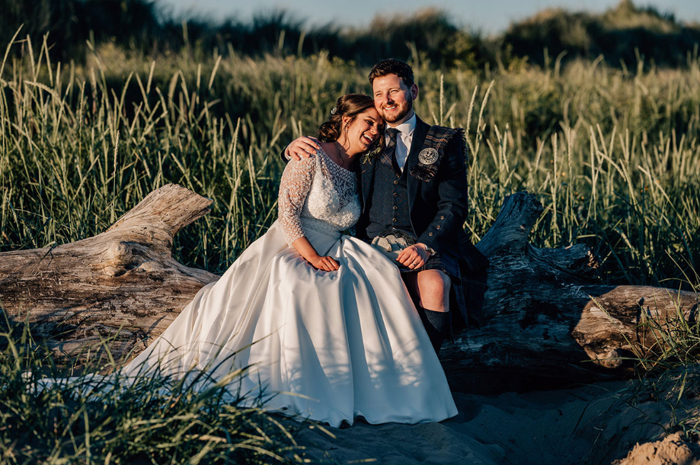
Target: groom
418,185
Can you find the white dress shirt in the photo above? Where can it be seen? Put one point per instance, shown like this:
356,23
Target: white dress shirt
403,140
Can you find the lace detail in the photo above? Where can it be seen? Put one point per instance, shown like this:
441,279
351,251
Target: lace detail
316,193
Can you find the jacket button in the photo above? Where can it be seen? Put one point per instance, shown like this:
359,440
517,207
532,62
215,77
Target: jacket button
442,217
437,227
395,207
430,233
394,220
396,194
396,182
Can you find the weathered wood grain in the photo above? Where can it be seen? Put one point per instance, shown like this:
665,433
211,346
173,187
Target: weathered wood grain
123,281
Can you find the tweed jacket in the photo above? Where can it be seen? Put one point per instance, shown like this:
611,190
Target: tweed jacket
437,207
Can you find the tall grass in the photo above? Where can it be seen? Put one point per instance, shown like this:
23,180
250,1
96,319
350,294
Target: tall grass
613,156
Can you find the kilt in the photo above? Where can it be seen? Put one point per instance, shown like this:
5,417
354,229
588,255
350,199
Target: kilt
467,290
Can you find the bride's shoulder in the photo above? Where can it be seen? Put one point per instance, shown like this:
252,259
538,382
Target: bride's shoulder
324,152
304,167
317,160
304,162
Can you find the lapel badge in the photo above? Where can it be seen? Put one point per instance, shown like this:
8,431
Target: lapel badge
428,156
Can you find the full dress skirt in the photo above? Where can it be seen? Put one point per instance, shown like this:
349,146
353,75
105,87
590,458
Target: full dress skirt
330,346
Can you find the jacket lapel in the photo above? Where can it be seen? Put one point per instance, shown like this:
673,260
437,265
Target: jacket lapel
366,178
414,184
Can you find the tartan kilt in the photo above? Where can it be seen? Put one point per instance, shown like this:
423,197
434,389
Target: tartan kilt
467,291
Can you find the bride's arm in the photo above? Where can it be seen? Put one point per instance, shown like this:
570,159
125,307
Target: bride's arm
306,250
294,188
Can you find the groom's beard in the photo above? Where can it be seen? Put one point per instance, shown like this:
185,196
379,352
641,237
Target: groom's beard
403,109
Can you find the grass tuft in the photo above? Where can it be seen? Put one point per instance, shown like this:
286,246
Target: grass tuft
151,419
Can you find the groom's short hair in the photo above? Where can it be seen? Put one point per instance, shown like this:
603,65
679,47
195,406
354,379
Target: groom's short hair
392,66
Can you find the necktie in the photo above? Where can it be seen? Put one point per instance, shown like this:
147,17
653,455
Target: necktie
390,148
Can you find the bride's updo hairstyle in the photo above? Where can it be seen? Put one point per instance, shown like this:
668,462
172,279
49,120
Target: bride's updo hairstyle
349,105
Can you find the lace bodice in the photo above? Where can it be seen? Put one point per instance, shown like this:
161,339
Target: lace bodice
316,193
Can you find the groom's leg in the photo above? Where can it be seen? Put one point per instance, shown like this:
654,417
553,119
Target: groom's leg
431,292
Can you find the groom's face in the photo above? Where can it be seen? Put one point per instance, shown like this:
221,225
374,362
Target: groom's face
393,99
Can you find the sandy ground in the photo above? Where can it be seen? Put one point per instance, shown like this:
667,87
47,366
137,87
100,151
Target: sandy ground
594,424
671,450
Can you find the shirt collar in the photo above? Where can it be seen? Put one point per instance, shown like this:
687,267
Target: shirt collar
406,128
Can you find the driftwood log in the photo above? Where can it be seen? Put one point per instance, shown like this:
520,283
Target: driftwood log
545,318
122,285
547,322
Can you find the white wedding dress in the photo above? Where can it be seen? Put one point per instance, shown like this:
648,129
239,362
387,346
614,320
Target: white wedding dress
330,346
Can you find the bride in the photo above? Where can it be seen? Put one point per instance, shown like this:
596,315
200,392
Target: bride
322,319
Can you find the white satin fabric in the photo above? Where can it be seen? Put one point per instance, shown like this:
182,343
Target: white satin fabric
329,346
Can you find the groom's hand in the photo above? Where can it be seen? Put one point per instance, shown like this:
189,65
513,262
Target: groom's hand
303,147
413,256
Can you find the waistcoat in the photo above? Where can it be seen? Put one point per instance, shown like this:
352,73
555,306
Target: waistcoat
389,209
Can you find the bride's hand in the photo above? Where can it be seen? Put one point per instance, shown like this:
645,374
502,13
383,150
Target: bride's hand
306,250
324,264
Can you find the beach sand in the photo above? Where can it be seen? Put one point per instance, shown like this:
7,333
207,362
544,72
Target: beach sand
592,424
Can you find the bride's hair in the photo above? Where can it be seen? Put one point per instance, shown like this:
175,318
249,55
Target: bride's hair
348,105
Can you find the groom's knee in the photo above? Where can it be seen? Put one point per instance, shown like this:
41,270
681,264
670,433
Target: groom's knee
434,289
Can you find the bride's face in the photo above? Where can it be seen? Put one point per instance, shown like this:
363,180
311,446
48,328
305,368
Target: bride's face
363,131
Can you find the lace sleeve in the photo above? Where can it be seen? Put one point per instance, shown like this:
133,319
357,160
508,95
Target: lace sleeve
294,188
